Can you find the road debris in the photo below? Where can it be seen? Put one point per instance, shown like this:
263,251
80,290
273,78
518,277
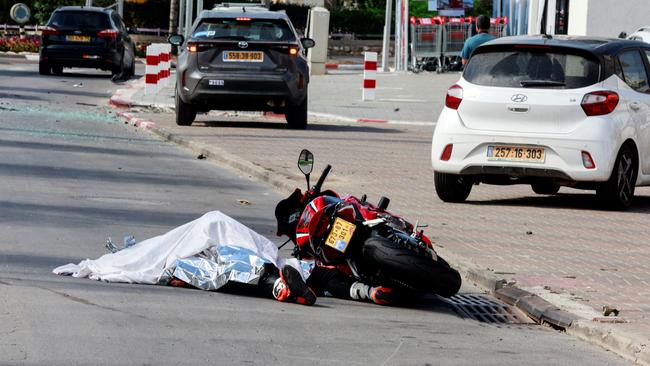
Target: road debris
201,157
609,311
244,202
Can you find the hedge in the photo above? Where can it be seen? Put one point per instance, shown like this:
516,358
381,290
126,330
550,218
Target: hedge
15,44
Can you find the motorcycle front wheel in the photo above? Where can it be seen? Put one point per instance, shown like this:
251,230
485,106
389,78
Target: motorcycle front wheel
407,267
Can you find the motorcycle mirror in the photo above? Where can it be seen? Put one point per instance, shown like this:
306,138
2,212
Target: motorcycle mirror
306,163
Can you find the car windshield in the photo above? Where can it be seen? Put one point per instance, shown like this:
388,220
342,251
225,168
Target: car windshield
274,30
532,69
80,20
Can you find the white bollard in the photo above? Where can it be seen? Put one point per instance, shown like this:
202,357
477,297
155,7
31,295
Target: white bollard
369,75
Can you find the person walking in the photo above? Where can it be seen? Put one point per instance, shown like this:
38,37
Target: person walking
482,27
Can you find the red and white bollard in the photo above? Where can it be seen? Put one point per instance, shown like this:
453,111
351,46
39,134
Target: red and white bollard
163,73
369,75
158,67
152,76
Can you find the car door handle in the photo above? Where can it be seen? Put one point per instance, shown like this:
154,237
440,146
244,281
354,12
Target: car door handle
635,106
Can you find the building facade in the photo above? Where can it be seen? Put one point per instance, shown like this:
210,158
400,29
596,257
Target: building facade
602,18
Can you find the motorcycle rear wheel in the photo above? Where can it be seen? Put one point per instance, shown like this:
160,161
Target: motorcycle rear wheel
403,265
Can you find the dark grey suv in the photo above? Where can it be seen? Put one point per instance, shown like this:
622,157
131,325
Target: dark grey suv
80,36
244,59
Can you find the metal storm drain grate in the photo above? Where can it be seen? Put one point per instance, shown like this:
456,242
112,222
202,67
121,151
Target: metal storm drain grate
486,309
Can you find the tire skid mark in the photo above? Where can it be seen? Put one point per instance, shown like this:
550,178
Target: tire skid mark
89,303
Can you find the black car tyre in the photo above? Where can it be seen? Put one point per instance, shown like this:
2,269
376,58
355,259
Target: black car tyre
44,68
545,188
118,70
617,193
296,115
452,187
405,266
130,71
57,70
185,113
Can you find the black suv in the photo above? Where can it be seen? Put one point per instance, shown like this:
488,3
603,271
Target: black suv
77,36
244,59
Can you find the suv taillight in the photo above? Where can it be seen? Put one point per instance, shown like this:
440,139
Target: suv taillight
454,97
108,33
49,31
599,103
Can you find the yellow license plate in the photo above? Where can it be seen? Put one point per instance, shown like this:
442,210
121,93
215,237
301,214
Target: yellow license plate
340,236
78,38
517,153
243,56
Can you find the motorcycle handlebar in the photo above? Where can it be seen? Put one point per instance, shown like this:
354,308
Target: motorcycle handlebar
321,179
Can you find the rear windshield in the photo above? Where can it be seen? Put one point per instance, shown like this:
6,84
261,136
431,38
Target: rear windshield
275,30
531,69
80,20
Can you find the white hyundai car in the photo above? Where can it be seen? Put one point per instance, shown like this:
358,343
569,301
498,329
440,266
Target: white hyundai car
549,112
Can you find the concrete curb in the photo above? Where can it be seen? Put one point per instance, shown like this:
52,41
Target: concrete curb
25,55
123,98
616,341
534,306
332,66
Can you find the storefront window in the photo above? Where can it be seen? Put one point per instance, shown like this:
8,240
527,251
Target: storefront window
562,17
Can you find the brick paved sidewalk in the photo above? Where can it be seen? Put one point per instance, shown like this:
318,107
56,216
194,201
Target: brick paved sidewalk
400,98
562,247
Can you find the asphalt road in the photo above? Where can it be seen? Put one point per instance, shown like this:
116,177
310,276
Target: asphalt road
71,174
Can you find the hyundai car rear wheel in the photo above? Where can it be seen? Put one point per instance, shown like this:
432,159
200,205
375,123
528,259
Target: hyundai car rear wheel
452,187
618,192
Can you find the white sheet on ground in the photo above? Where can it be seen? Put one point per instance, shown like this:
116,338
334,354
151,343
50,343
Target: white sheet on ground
147,261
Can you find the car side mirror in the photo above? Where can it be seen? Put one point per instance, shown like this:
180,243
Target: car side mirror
176,39
306,163
308,42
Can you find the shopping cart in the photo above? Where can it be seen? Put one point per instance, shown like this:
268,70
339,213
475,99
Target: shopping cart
498,26
455,32
426,43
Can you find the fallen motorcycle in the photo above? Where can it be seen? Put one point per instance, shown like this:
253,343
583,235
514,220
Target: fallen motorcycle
362,239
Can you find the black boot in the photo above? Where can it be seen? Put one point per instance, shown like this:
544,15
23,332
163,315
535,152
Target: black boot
285,285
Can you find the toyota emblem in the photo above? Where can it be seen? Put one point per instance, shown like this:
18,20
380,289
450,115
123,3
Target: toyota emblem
243,44
519,98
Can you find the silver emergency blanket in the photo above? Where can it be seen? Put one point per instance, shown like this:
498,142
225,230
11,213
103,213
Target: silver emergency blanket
206,252
217,266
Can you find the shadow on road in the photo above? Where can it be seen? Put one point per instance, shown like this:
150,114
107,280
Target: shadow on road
71,91
572,201
86,149
19,96
283,125
103,176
